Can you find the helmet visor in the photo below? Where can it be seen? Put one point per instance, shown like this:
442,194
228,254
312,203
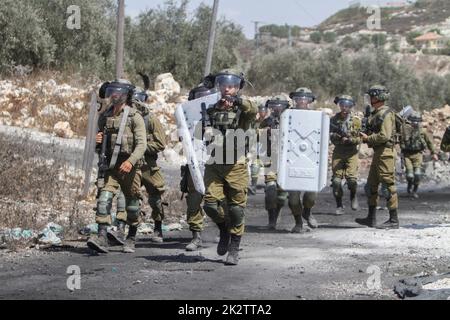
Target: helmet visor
116,93
277,107
227,81
302,100
347,104
140,96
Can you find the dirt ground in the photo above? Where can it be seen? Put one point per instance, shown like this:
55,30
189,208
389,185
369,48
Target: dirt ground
340,260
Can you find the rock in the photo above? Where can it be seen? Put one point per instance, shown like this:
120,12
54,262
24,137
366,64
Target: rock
63,130
172,157
165,85
52,110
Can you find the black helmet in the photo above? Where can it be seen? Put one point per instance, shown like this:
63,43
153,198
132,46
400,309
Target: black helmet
226,76
122,88
277,104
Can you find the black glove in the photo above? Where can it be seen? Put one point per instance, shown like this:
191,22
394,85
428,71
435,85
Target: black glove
235,100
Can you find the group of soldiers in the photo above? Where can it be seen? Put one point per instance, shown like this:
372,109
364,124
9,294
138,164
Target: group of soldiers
135,137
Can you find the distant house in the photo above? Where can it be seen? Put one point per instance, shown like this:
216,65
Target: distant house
431,41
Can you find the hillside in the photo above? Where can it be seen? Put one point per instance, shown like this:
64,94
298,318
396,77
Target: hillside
394,20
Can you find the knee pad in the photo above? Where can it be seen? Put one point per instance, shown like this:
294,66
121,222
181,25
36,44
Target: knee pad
104,203
282,198
337,187
133,207
409,175
237,215
211,209
121,203
352,184
155,203
385,192
271,195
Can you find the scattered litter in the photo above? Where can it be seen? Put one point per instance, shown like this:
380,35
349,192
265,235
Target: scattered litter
145,228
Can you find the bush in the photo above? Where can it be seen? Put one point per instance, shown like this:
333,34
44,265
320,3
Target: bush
329,37
316,37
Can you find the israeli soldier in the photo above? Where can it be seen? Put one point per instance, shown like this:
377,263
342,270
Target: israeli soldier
445,143
255,167
414,141
124,129
227,180
195,214
275,197
345,128
381,137
302,99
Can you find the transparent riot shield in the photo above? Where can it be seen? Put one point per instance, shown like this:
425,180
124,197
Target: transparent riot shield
192,120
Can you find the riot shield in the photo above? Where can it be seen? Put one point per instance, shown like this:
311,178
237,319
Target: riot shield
192,120
89,145
303,150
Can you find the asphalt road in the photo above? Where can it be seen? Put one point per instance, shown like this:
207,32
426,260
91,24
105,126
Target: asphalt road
340,260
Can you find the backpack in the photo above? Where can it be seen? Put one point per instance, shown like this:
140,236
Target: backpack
411,139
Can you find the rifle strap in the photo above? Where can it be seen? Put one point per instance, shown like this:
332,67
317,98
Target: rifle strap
118,145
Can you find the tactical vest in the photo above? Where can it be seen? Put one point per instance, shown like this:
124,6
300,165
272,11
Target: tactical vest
346,126
225,120
412,139
112,125
376,122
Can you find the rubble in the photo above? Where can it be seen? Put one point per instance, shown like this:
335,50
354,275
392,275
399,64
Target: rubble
63,130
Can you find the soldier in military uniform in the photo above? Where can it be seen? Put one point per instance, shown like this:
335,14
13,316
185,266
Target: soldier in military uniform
256,165
124,129
345,129
302,99
445,143
152,178
225,181
414,141
275,197
195,214
381,137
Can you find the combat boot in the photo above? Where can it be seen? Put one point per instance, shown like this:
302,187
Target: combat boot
312,223
273,218
371,220
117,238
415,194
298,228
224,240
99,242
233,251
158,233
130,242
340,208
392,223
410,185
196,242
354,201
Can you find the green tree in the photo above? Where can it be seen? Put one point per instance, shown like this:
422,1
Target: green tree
316,37
329,37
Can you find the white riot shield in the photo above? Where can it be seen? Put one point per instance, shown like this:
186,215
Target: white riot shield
303,150
191,118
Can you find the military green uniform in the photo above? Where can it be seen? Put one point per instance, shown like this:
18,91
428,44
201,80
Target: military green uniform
275,197
152,178
229,182
445,144
416,140
132,150
345,161
195,214
382,170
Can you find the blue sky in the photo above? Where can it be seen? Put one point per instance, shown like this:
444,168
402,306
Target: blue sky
305,13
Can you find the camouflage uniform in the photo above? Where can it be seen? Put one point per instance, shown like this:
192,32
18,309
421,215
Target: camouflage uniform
229,181
132,150
345,160
412,147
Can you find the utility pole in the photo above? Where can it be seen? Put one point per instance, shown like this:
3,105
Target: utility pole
290,36
212,38
120,39
256,33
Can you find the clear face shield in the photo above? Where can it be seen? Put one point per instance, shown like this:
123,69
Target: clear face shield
277,108
302,102
346,105
116,95
228,85
140,96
